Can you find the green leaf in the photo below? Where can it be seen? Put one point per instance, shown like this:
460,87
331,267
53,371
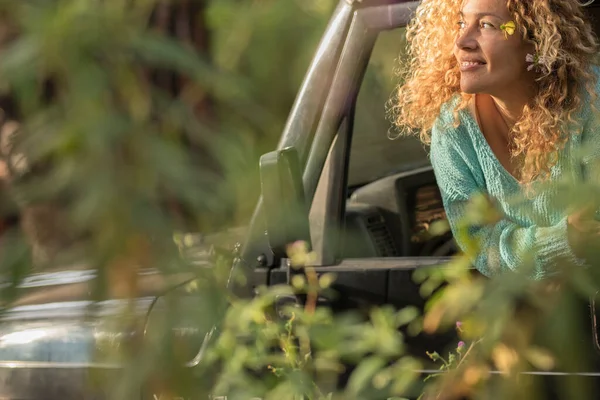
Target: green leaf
19,61
439,228
363,374
540,358
407,315
326,280
405,371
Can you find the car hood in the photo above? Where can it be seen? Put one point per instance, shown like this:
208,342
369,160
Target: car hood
55,334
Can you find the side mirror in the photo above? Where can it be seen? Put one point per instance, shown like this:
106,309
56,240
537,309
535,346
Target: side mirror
284,205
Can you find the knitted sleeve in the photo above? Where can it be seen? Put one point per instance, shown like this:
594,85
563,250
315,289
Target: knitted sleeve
503,246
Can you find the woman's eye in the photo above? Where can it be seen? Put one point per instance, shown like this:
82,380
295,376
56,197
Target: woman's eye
461,24
486,25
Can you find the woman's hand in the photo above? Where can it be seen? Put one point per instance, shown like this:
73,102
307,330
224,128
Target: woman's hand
583,229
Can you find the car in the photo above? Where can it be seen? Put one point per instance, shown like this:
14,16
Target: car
335,181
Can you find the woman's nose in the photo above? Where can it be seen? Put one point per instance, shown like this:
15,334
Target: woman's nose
466,40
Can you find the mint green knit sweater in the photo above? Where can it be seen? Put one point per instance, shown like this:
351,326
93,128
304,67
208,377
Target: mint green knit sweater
533,229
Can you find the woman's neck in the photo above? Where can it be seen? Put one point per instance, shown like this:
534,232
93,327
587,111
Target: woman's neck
510,105
509,112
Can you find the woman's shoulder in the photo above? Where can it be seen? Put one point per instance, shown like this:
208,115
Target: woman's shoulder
447,109
453,153
453,141
452,125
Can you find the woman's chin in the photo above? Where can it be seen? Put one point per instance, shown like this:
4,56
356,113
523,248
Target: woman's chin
472,85
470,89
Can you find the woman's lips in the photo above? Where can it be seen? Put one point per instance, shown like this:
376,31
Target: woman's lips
466,66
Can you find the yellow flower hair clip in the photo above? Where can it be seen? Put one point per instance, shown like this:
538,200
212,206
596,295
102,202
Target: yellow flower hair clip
508,28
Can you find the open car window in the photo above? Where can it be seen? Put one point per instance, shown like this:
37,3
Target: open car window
373,155
393,197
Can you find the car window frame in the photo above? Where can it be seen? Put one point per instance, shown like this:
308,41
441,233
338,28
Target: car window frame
254,253
331,147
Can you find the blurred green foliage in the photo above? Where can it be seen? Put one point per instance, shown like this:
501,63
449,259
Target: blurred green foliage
128,133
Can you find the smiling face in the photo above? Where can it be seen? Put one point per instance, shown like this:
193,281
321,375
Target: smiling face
490,62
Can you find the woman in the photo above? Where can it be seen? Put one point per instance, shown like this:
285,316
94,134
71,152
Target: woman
501,90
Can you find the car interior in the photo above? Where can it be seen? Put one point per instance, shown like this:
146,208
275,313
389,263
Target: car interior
393,196
392,193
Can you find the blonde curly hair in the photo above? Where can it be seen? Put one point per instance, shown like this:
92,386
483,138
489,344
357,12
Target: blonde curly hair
559,32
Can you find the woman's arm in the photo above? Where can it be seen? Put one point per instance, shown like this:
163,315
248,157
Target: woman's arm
507,246
504,245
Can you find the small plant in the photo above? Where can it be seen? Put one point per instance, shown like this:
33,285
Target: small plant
275,348
455,358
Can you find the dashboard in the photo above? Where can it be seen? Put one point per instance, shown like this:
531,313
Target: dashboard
391,217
